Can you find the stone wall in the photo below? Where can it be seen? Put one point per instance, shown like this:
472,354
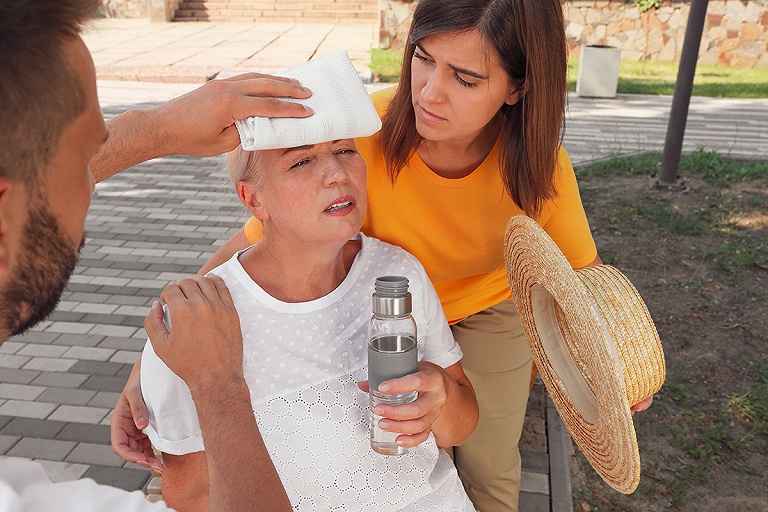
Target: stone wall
735,34
126,8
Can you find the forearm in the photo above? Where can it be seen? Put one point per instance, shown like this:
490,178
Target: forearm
459,414
241,475
134,137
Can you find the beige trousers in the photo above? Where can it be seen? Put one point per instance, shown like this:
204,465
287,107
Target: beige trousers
497,361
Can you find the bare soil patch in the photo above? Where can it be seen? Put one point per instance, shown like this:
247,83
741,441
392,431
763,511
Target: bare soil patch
700,260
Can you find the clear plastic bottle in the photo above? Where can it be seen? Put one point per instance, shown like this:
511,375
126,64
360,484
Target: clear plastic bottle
392,353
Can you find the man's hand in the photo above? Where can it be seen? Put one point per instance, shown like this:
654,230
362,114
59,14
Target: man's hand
199,123
205,345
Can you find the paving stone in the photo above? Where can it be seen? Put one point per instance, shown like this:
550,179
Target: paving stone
534,482
125,357
126,371
32,427
65,316
102,383
50,364
89,353
26,409
20,391
129,344
66,396
89,453
80,340
95,308
106,399
113,330
59,379
70,327
536,462
39,350
35,448
13,361
533,502
85,433
7,442
17,376
35,337
97,367
4,420
11,347
59,471
79,414
124,478
98,318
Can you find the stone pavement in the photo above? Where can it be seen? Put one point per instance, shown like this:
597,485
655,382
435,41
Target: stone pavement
164,218
135,49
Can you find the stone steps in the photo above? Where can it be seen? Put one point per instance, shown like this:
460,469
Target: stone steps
323,11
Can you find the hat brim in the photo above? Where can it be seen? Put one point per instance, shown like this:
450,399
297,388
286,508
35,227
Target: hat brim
574,352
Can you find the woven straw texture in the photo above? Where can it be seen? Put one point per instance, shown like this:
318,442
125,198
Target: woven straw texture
594,343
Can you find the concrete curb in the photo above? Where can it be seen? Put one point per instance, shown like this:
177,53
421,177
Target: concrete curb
559,441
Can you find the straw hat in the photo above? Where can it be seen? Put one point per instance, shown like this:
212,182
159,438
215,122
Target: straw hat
594,343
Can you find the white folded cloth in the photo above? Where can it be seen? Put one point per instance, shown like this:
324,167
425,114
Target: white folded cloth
341,105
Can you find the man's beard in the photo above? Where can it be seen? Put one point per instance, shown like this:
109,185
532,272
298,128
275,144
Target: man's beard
43,269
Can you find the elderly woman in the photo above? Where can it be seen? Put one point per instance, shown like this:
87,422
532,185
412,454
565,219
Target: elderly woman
303,294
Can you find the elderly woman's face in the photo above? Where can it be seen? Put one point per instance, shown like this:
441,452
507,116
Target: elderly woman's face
313,192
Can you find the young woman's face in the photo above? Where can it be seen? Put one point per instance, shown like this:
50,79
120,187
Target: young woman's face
313,193
458,86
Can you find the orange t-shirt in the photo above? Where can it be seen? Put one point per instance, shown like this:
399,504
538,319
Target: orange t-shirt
455,227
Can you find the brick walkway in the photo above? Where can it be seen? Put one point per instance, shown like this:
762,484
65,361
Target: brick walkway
163,219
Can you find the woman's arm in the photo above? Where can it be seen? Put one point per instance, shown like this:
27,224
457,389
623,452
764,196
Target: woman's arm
446,406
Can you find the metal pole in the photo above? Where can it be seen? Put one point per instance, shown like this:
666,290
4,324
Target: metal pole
678,115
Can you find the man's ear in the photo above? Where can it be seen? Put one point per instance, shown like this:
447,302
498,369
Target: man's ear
6,185
250,196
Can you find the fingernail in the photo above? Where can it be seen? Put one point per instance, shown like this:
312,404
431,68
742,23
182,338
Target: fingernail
306,89
157,469
308,109
383,387
399,442
154,304
384,424
377,410
141,422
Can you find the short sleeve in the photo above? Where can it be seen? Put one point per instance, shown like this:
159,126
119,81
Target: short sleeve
253,230
564,218
173,424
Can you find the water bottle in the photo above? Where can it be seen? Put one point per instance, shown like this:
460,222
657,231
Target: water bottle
392,353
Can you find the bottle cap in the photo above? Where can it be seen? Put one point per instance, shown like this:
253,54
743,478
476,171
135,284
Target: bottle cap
391,296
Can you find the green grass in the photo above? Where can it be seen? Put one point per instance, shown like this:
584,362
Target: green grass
385,64
658,77
715,169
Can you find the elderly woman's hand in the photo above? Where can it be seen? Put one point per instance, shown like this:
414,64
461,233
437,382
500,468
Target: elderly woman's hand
446,406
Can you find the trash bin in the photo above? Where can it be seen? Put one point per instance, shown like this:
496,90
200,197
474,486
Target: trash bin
598,71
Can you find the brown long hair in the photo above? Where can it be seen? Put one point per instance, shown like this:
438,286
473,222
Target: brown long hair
40,92
529,38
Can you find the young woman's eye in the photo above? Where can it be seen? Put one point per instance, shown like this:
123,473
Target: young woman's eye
299,164
464,82
419,56
346,151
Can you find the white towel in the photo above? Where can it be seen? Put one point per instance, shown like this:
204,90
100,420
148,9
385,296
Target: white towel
342,107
